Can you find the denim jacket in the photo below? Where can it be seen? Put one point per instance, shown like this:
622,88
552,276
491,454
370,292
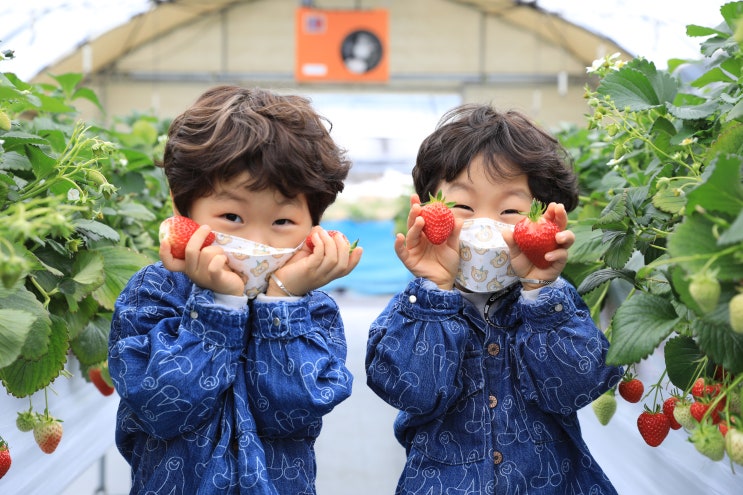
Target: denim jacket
491,408
216,400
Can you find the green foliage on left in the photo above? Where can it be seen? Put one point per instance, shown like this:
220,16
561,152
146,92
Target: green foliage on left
79,210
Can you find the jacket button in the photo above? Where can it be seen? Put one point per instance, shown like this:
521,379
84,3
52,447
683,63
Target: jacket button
194,314
497,457
558,308
412,299
276,321
492,401
493,349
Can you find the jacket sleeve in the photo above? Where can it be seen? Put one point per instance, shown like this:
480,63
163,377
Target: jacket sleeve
415,350
560,353
296,364
172,351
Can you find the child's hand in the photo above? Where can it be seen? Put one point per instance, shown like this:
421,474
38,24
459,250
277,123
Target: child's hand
437,263
558,258
206,267
330,258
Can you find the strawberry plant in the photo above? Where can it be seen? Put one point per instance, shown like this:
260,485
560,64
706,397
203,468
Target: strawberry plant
659,250
79,206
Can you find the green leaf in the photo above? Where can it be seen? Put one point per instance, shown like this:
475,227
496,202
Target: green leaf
694,30
37,336
91,345
14,327
638,86
693,112
87,270
95,230
682,356
734,233
121,263
14,161
720,343
25,376
670,196
721,190
604,275
639,325
693,244
588,246
621,245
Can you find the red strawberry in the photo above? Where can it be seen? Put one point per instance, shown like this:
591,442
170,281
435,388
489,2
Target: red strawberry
332,233
654,427
668,406
535,235
5,459
98,374
698,409
177,231
631,389
48,433
701,388
439,218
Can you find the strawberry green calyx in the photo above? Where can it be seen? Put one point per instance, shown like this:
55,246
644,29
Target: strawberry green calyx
536,210
708,440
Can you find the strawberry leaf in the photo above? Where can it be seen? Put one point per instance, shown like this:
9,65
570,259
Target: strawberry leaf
719,342
120,263
682,356
640,324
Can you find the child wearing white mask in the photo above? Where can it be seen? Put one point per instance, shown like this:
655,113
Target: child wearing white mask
225,374
487,356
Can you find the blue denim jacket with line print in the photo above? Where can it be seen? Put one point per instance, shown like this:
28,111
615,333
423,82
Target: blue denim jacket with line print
217,400
491,408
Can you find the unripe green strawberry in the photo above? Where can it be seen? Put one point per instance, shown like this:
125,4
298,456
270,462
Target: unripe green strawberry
25,421
736,313
4,121
705,290
48,433
734,445
708,440
682,414
604,407
439,218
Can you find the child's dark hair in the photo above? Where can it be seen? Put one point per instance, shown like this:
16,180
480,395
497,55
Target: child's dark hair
509,143
278,139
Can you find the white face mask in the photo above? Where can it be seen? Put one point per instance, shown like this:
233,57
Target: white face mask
484,259
254,260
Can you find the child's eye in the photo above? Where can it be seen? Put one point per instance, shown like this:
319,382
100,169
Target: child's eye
232,217
511,212
463,207
283,221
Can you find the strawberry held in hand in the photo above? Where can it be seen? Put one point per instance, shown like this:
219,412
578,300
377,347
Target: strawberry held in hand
535,235
177,231
439,219
332,233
